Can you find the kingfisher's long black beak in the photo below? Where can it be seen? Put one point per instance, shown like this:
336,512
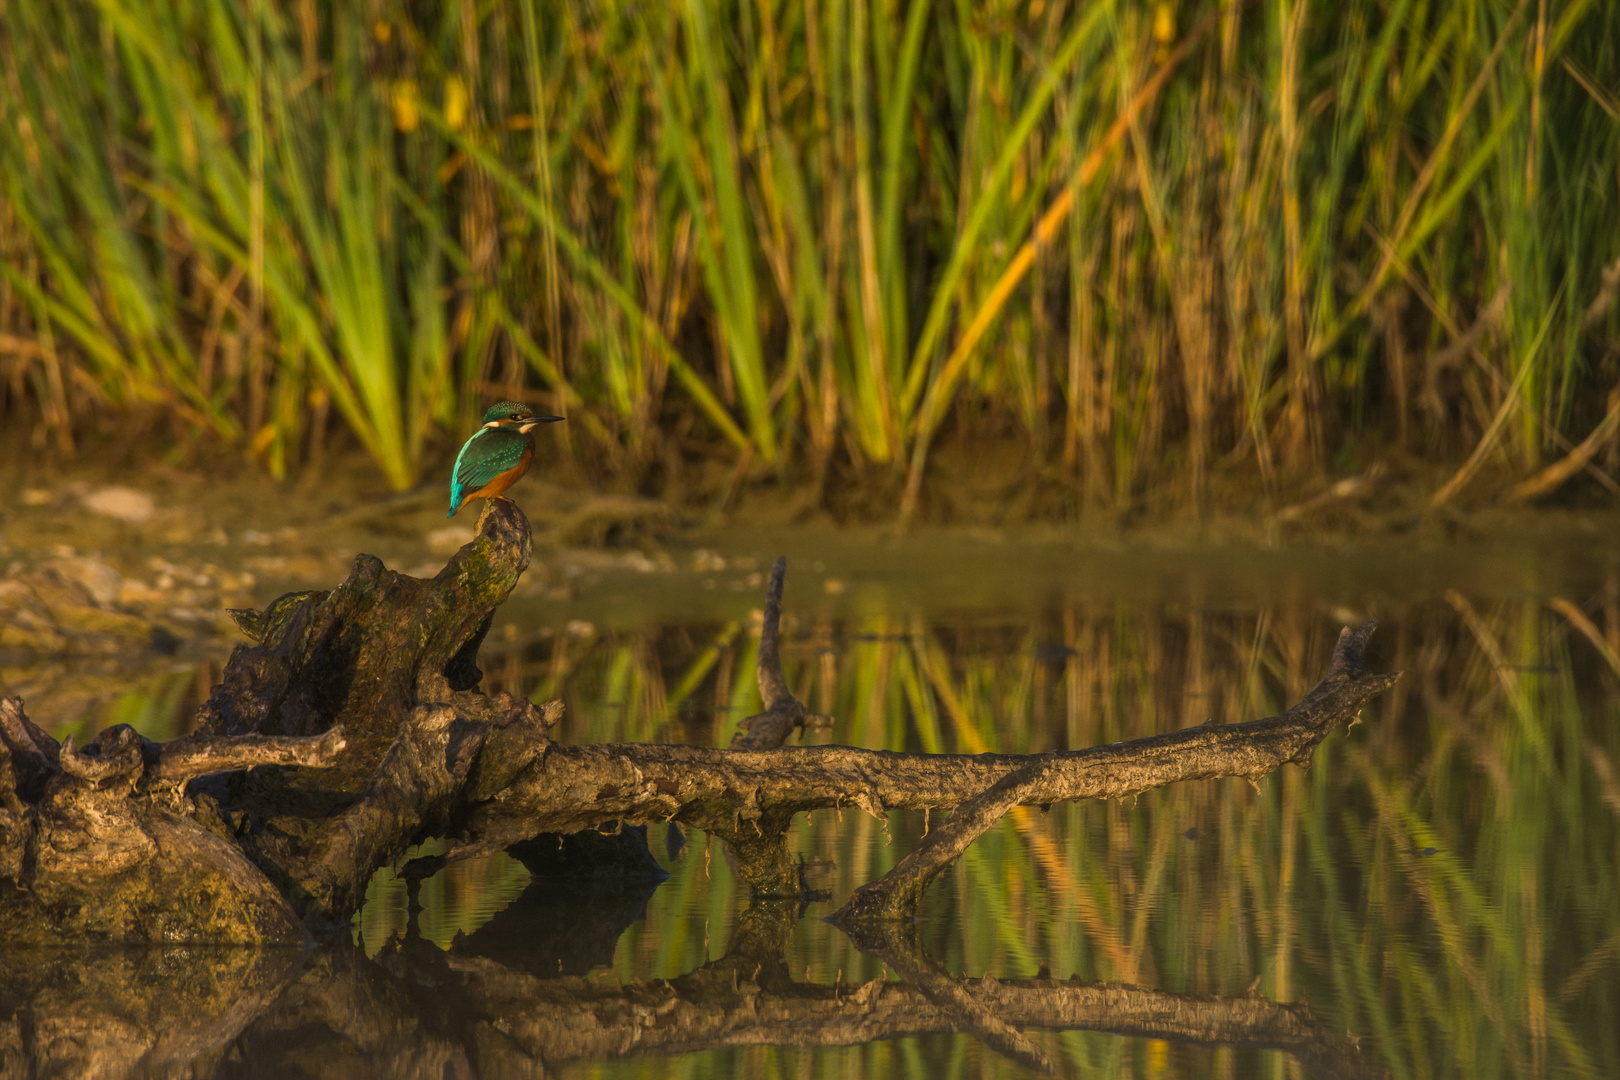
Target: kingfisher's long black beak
536,421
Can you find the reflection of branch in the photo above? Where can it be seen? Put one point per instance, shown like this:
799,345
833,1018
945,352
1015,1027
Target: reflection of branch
992,1011
1263,745
140,1012
569,1020
420,1012
896,944
749,999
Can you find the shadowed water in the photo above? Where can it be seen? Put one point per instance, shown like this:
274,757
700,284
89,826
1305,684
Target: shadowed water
1435,896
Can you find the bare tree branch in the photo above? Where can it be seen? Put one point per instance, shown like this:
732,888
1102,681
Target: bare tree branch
1264,745
783,713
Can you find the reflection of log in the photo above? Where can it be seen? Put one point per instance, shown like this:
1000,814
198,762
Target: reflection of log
422,1013
748,998
425,1013
993,1011
130,1012
897,945
578,1020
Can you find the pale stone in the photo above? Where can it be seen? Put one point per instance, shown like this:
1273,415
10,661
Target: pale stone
122,503
101,581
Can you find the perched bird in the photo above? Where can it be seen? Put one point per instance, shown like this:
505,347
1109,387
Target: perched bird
496,455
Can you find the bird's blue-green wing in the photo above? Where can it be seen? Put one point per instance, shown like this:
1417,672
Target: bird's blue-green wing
483,457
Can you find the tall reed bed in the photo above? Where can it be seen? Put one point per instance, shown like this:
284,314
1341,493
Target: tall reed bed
1146,242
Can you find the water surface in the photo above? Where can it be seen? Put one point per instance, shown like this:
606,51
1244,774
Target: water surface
1435,896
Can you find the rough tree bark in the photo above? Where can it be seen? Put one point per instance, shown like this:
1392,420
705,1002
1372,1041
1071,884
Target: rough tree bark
97,844
347,731
750,797
353,728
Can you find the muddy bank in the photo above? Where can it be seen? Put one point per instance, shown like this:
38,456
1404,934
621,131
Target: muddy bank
113,577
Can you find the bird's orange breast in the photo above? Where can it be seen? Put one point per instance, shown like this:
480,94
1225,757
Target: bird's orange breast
504,480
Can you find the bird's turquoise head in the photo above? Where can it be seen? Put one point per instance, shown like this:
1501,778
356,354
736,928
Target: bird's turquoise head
514,414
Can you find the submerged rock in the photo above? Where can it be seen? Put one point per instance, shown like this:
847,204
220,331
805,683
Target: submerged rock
122,504
80,606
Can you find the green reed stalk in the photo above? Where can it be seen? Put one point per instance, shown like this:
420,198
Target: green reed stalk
241,214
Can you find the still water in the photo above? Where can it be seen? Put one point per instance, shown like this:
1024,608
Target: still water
1438,895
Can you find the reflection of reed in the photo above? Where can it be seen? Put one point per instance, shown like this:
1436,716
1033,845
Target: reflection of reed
1498,755
1442,881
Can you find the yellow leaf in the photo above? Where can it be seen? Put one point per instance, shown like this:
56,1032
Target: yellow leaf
262,439
455,102
1164,23
406,112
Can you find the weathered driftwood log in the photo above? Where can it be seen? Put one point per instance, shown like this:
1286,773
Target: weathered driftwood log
364,655
392,660
353,728
750,797
97,845
371,683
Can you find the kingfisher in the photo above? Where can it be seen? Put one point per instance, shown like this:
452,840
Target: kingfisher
497,454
